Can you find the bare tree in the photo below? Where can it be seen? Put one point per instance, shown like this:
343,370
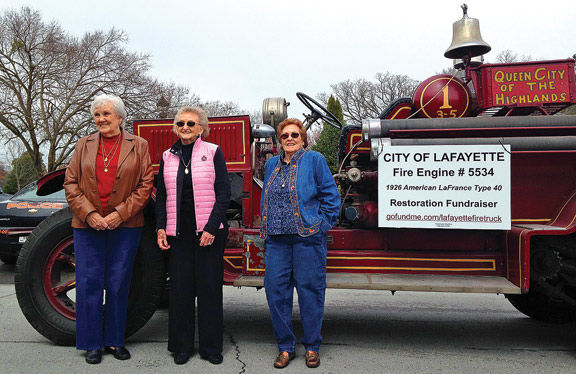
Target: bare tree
155,99
3,174
255,116
448,71
220,108
507,56
363,99
48,79
314,133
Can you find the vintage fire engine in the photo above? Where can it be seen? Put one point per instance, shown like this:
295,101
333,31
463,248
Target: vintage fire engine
527,254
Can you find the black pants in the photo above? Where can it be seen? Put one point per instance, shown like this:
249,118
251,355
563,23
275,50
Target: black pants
196,272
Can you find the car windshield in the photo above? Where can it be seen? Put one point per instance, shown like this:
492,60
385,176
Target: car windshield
28,193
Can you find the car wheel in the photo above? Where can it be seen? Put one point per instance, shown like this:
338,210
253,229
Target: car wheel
45,280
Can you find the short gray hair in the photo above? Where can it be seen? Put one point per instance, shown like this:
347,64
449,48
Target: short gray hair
116,101
202,117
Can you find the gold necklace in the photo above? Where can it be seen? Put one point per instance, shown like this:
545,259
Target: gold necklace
106,155
112,152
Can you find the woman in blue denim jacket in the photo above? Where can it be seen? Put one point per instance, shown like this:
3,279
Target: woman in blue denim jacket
300,203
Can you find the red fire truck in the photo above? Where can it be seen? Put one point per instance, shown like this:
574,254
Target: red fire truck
398,233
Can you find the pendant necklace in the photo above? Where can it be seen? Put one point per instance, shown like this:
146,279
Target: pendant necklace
284,179
107,157
186,166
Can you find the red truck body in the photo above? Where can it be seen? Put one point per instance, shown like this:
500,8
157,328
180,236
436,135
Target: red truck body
543,185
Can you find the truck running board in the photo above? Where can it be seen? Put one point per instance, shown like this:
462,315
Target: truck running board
406,282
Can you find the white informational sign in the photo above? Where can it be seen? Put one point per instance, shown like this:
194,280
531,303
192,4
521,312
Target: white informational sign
445,186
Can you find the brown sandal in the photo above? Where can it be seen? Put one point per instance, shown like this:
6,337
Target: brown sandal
312,359
283,359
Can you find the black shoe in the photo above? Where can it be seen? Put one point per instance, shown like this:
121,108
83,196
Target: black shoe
215,359
94,356
180,358
120,353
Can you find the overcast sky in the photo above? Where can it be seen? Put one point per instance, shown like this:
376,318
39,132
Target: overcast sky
247,50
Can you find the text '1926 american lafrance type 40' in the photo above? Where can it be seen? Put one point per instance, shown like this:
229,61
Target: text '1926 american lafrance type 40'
467,186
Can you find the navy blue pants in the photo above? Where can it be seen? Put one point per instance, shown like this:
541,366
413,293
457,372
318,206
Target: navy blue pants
295,261
103,261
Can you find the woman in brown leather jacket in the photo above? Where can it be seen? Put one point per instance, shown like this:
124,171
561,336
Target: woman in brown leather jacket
108,183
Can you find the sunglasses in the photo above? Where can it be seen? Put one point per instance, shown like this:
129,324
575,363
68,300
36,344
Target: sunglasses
293,135
189,123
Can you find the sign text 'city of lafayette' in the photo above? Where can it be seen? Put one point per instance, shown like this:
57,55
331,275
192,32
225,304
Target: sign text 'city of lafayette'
444,187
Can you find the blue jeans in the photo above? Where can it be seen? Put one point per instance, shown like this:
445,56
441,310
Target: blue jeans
103,261
295,261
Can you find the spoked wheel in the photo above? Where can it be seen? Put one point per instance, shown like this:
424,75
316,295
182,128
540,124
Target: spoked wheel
318,111
59,280
45,280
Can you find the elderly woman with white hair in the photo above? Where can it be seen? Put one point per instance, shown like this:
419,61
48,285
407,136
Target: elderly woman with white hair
193,194
108,183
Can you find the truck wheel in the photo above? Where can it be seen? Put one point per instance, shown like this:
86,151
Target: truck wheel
8,259
45,280
542,308
552,295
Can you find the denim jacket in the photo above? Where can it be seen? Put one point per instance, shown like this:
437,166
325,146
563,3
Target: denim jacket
313,194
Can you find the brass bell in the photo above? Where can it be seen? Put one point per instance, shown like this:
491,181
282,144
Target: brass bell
466,38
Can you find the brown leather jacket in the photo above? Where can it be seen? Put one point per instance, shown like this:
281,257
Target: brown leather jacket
132,186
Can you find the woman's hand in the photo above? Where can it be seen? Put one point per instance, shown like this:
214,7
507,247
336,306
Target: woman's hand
206,239
162,240
113,220
95,220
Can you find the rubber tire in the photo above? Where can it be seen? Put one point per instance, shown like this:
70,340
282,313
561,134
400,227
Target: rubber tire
8,259
541,308
148,278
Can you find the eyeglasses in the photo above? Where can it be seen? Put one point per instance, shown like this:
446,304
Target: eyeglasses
189,123
293,135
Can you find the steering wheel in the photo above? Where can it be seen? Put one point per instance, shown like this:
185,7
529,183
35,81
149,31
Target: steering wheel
316,114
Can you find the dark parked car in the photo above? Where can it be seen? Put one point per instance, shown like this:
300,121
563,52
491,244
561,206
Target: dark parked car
20,214
4,196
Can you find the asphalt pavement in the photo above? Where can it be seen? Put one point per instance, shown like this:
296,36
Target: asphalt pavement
364,332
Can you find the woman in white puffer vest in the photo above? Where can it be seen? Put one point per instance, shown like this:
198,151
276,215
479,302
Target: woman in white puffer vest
193,193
